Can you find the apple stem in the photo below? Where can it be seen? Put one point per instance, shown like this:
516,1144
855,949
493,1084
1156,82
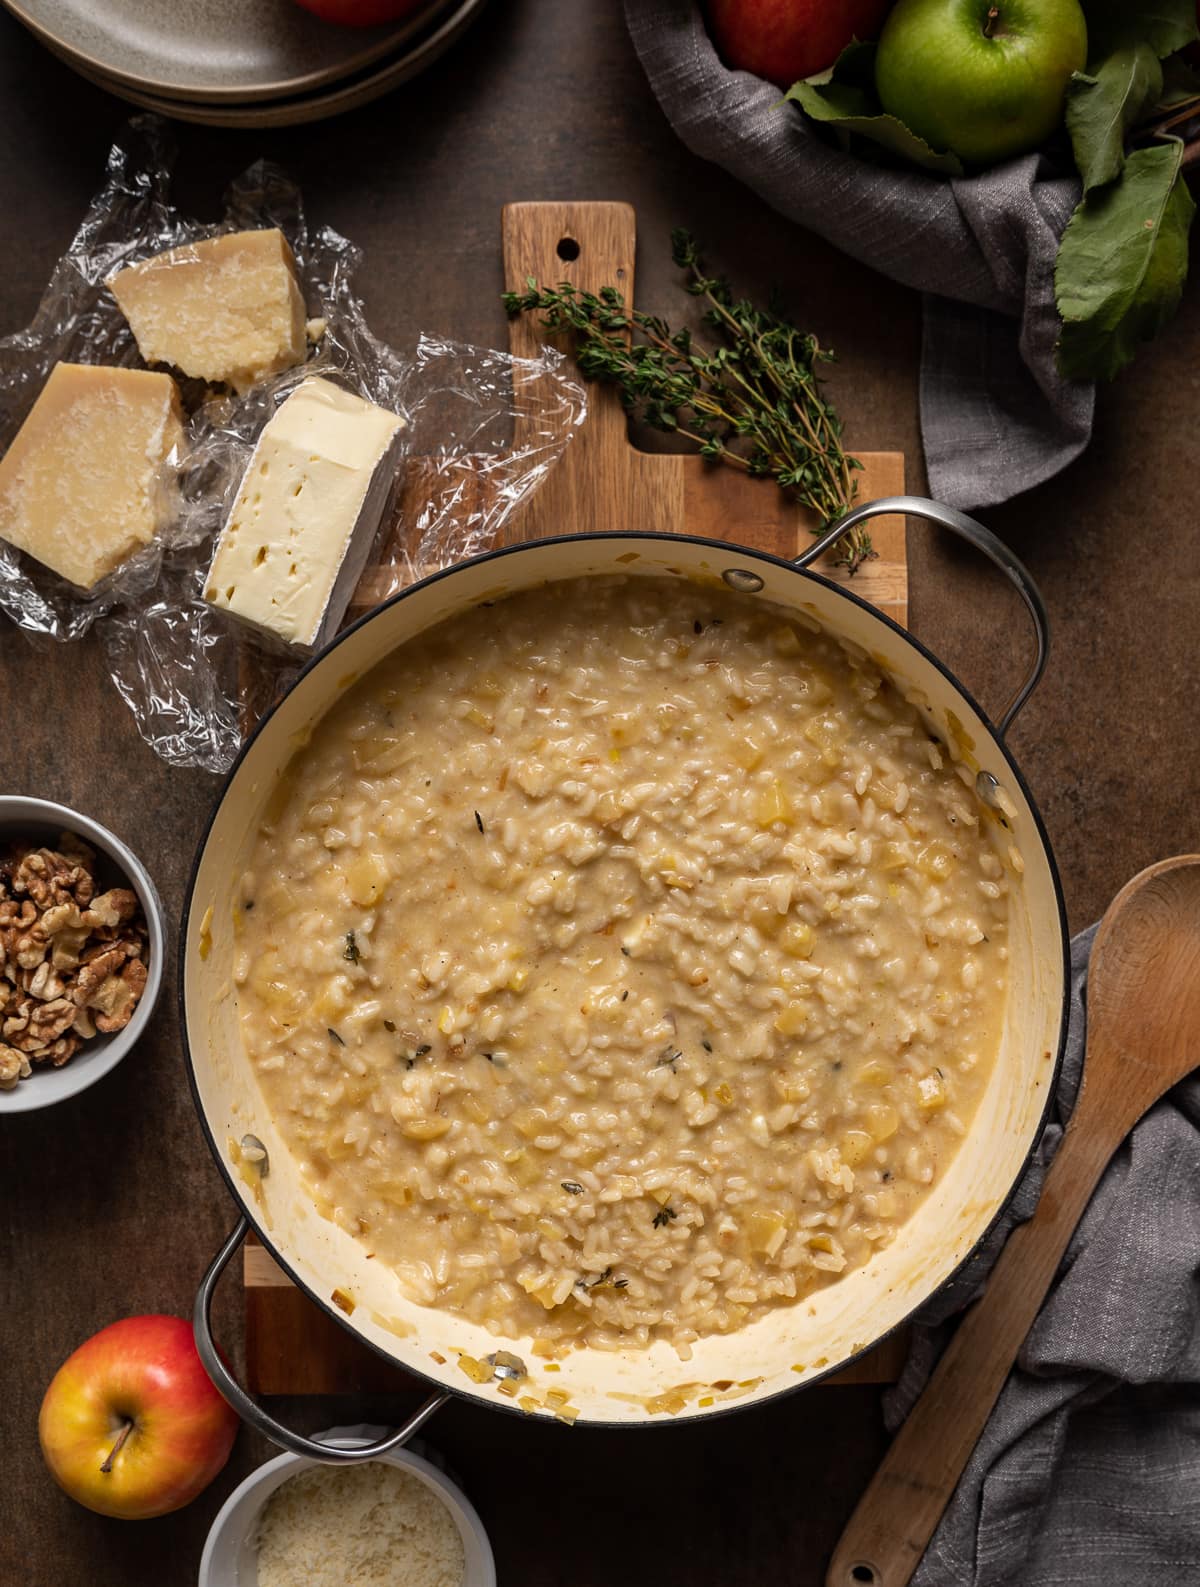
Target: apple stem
116,1449
989,24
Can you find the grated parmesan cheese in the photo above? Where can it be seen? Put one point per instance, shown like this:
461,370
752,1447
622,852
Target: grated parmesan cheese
372,1525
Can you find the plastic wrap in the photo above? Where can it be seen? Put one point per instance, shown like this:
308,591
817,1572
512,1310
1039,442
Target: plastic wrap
483,430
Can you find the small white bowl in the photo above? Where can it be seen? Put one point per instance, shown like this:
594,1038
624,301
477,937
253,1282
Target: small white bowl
230,1557
24,819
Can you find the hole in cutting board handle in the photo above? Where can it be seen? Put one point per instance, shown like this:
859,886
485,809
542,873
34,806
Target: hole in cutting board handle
567,249
863,1573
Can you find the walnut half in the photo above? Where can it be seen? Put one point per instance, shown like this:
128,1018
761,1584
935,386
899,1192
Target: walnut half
14,1066
72,961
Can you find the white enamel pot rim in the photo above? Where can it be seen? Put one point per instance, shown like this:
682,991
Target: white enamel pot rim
1017,1126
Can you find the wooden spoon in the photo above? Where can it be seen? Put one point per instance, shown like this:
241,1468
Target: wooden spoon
1143,1036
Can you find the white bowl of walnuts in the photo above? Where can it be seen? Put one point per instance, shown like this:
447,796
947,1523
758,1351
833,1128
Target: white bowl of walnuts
82,944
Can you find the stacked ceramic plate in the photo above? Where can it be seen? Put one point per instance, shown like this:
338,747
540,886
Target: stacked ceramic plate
226,63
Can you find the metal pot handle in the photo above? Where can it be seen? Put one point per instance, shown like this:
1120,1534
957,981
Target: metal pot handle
983,540
250,1411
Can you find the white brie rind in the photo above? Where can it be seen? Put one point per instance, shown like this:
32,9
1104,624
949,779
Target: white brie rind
307,513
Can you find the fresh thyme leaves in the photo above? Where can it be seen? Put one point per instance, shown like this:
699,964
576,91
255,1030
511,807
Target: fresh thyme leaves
663,1216
333,1035
754,401
668,1058
572,1188
389,1025
479,821
707,1045
411,1054
605,1278
351,949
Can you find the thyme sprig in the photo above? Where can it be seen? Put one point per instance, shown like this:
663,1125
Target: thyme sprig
754,400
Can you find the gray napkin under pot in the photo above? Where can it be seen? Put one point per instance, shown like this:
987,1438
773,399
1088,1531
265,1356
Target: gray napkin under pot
1088,1472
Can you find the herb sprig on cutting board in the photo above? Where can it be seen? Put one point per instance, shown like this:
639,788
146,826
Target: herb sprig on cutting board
753,399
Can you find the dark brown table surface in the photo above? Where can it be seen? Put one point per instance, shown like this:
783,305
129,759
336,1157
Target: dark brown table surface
109,1204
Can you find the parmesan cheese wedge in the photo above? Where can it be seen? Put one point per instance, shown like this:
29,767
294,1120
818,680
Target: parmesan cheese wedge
88,478
226,310
306,513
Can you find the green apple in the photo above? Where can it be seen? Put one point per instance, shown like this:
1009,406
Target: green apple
985,79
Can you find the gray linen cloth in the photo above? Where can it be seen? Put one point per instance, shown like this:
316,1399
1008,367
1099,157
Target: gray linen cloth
1088,1472
996,416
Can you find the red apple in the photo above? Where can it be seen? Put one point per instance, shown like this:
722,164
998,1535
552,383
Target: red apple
785,40
131,1425
361,13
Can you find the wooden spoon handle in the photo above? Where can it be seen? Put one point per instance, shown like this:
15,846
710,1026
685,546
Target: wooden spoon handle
886,1536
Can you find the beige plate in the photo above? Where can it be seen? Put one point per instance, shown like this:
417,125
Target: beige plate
310,107
219,51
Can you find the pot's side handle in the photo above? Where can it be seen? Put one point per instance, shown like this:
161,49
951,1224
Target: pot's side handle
983,540
250,1411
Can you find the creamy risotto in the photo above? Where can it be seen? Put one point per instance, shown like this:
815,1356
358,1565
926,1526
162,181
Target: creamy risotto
621,960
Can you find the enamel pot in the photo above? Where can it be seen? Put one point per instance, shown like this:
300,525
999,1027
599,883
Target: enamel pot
791,1346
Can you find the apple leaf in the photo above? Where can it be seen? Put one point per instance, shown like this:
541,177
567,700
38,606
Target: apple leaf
854,66
1103,105
1165,25
1122,263
1181,83
844,98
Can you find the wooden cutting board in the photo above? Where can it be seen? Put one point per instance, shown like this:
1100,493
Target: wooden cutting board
601,482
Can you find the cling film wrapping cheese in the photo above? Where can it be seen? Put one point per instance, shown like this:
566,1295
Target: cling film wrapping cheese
191,673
